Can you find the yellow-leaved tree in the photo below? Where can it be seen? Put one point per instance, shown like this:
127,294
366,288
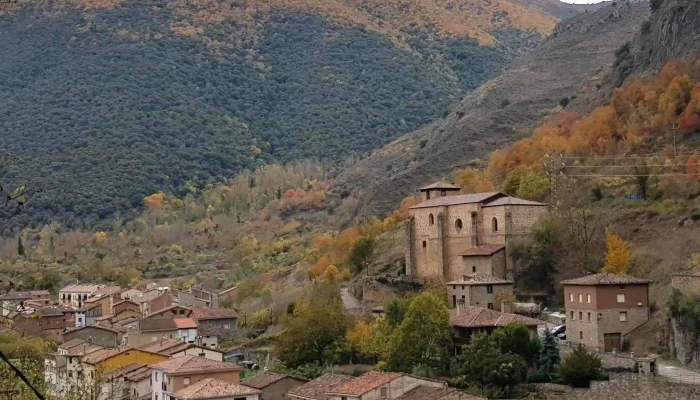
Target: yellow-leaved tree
619,254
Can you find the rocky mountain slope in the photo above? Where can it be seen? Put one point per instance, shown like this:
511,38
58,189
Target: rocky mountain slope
572,64
107,101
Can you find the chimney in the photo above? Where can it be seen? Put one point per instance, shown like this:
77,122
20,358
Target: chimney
506,307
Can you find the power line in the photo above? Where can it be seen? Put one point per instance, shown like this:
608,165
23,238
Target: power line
629,166
629,175
638,156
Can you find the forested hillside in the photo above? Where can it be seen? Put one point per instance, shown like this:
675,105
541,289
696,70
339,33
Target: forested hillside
105,102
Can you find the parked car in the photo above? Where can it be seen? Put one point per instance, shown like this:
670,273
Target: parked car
559,331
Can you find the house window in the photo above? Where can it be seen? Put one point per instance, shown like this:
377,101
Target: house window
620,298
343,398
382,392
425,244
489,288
580,298
227,326
427,195
431,219
589,317
186,381
462,287
458,224
621,287
443,193
490,306
580,316
588,298
572,316
464,299
156,376
623,316
454,300
580,335
494,222
473,268
571,297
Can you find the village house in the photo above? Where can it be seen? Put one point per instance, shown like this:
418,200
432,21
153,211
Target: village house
67,362
215,324
97,367
171,312
149,330
449,235
177,348
478,289
602,308
76,294
156,304
380,385
215,389
198,297
467,321
317,388
687,281
273,386
18,301
172,375
130,294
109,337
130,382
125,305
45,322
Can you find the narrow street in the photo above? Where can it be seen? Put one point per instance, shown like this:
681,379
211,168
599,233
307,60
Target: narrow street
349,301
678,374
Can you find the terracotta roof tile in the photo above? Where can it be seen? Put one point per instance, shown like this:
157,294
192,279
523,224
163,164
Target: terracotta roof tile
424,393
193,364
213,313
71,343
364,383
263,379
157,324
211,388
140,374
101,355
477,317
317,388
483,250
84,349
479,278
605,279
49,311
440,185
512,201
185,323
462,199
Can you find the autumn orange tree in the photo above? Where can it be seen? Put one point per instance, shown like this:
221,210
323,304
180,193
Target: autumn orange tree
618,256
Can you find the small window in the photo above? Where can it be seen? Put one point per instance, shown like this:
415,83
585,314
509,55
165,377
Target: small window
623,316
454,300
620,298
580,335
571,297
621,287
431,219
588,298
580,316
427,195
580,298
186,381
443,193
489,288
572,316
156,376
227,326
589,317
490,306
494,222
473,268
458,224
425,244
462,287
382,392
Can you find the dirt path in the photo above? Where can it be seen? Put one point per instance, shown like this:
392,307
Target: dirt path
678,374
350,302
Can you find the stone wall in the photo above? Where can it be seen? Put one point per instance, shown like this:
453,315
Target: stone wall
602,322
686,284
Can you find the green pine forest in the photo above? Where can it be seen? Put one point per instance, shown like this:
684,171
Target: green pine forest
99,120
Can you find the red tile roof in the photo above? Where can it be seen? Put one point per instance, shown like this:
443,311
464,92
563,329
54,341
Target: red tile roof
99,356
424,393
513,201
364,383
483,250
477,317
440,185
185,323
213,313
462,199
193,364
606,279
211,388
264,379
479,278
317,388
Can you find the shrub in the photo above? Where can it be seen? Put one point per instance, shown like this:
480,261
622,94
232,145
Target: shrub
580,368
655,4
543,377
597,193
564,101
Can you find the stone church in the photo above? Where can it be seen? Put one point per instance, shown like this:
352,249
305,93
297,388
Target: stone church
451,235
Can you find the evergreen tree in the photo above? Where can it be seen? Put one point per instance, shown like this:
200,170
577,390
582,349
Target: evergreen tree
20,247
549,353
580,367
